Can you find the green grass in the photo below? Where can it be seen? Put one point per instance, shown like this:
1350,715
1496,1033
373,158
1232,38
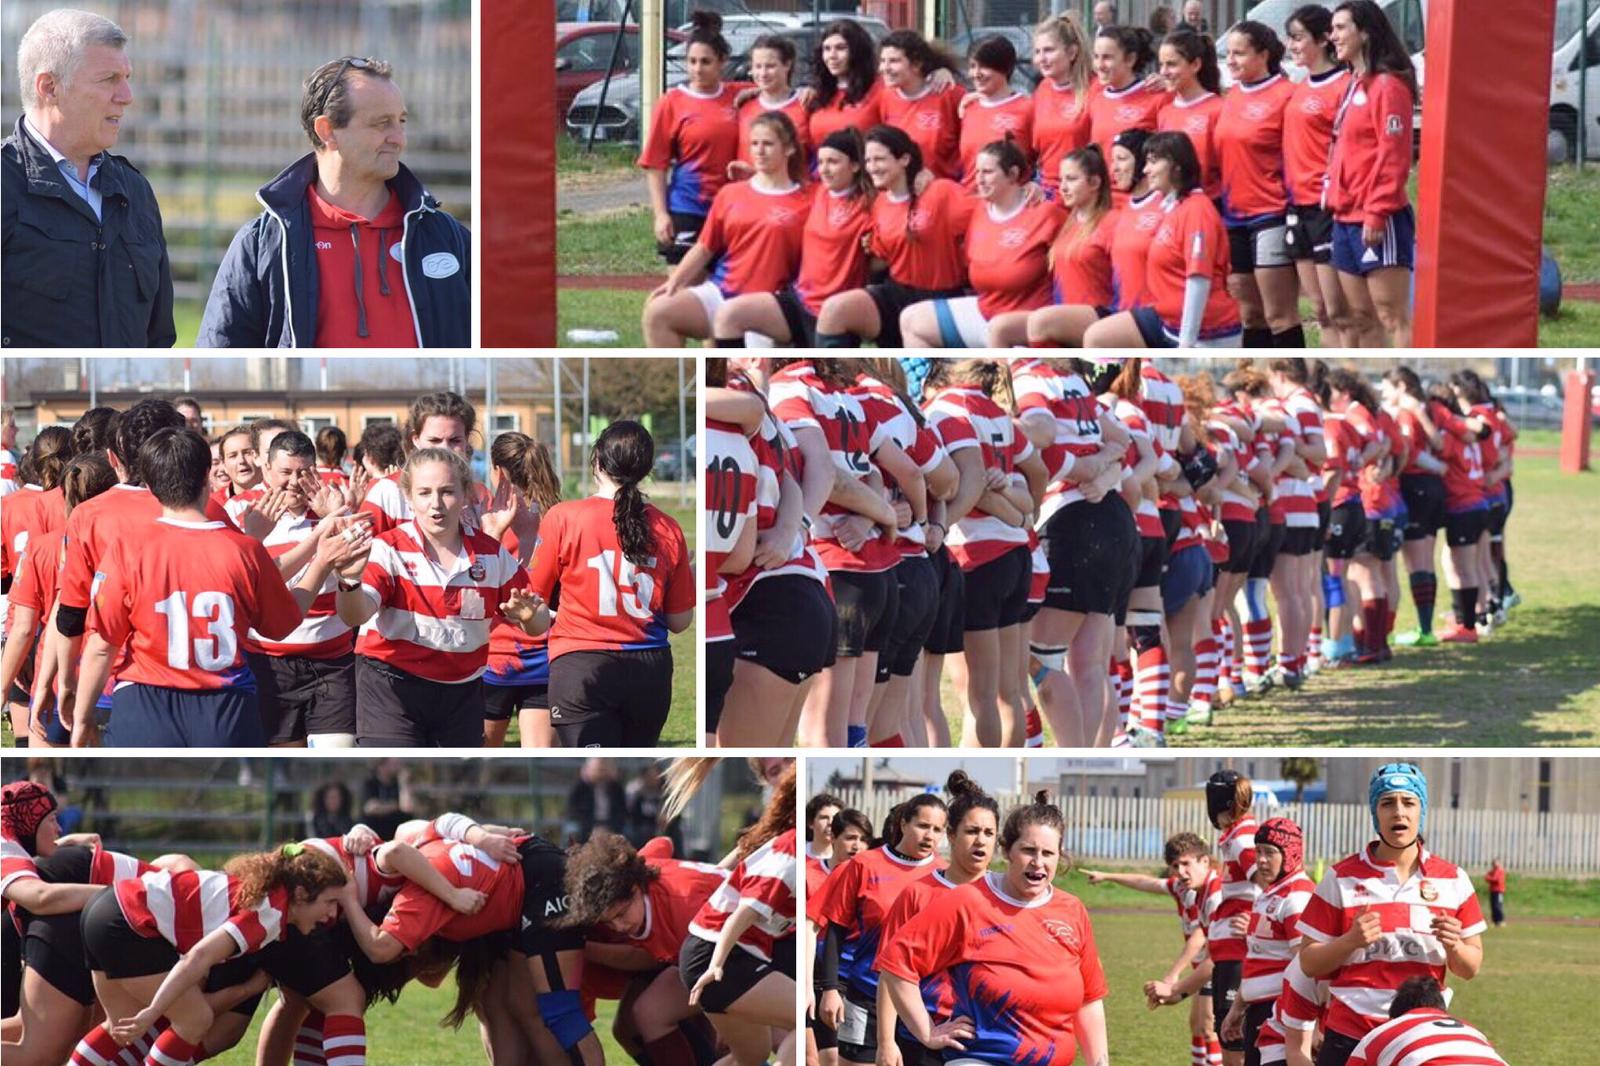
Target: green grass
608,242
186,318
1571,223
617,309
610,160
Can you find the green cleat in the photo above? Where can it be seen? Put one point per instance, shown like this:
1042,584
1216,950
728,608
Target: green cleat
1416,638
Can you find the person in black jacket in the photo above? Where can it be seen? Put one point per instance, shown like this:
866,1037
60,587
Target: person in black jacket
350,250
84,258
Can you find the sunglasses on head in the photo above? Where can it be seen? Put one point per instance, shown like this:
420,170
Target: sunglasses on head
347,63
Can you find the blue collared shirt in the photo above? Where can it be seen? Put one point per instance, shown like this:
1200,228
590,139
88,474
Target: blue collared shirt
87,191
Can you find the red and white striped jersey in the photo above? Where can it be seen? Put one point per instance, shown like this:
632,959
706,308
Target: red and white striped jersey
766,880
1364,985
184,908
730,507
1237,850
1191,519
1274,936
1236,507
884,406
1425,1037
16,863
1146,516
240,502
775,439
802,400
1162,400
373,886
321,634
1298,1008
966,418
431,622
1303,418
386,503
1196,906
417,914
1042,391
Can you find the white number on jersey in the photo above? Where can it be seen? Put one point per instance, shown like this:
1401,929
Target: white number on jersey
634,588
210,653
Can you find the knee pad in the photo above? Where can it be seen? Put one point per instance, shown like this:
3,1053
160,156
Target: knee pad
1049,656
1255,598
1144,638
1333,590
1139,618
562,1013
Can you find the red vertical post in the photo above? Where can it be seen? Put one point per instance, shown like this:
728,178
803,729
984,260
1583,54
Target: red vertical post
1575,422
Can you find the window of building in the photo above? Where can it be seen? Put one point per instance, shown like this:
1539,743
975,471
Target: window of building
506,423
311,425
376,420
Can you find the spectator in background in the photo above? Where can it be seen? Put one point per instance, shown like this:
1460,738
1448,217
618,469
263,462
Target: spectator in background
1105,14
1162,20
644,801
47,773
382,450
85,260
369,258
193,416
331,447
330,814
386,799
597,800
1194,16
1497,893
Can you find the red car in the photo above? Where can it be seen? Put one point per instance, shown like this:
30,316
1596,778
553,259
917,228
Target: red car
582,52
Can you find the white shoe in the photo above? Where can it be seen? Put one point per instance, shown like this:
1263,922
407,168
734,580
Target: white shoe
1140,737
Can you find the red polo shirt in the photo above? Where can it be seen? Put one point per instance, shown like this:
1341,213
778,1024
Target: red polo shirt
342,240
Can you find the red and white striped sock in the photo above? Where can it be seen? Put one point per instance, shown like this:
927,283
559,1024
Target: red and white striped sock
1206,662
1035,732
1214,1053
1197,1050
170,1049
1152,684
95,1049
344,1040
308,1041
1122,675
1233,654
1314,641
1258,645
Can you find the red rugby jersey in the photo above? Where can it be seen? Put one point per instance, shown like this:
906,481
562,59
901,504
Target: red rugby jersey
1250,149
31,511
187,594
431,622
1136,106
730,506
1371,156
1308,134
986,121
515,658
1362,988
417,914
1425,1037
1065,398
755,232
765,878
609,603
1020,970
930,119
832,257
862,114
1237,850
184,908
803,400
373,886
1081,273
1344,447
1382,495
1274,936
967,418
1463,473
792,108
1191,241
817,870
1062,123
38,568
1197,120
857,897
1008,256
693,136
672,902
921,237
98,523
1137,222
321,634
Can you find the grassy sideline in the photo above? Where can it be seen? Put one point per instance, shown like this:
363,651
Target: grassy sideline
619,242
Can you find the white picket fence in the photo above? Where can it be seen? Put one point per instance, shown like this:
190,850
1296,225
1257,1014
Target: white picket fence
1132,830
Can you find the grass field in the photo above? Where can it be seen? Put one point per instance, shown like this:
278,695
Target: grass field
619,242
1535,682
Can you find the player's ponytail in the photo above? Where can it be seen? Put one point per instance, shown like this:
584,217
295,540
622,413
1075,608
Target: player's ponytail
1136,43
681,780
290,867
86,476
1405,379
1384,52
967,796
706,29
1316,22
1198,47
625,453
47,457
527,463
93,431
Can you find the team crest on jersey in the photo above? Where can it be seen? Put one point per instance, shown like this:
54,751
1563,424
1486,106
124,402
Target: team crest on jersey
477,572
929,120
1013,237
1313,105
1127,113
1149,221
1394,126
839,215
411,568
1197,124
1063,932
1256,112
919,219
1428,891
780,216
1005,123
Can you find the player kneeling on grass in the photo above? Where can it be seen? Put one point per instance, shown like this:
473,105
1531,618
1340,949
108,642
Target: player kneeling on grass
1421,1031
425,595
152,943
185,593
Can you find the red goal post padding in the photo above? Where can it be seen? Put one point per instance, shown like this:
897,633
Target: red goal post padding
1480,190
516,97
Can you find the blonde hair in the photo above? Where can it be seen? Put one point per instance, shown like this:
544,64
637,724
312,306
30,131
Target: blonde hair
457,465
1068,33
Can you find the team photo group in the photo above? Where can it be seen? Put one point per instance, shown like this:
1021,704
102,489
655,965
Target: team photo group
1150,191
1060,552
587,947
175,581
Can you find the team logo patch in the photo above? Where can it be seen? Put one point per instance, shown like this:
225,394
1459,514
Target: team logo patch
1195,125
1394,125
1313,105
1256,112
1149,221
397,253
1427,891
440,265
1012,238
1063,932
780,216
1005,123
1397,781
839,215
1127,113
477,572
928,120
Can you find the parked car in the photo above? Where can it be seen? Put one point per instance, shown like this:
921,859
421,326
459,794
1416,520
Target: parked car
1578,57
583,49
1025,77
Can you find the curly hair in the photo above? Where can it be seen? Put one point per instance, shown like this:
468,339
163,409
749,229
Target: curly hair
93,430
602,873
290,868
776,818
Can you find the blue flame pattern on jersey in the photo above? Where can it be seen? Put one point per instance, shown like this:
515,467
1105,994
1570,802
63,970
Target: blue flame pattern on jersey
996,1027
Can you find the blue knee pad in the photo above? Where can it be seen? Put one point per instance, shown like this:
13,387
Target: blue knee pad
563,1015
1333,590
1255,598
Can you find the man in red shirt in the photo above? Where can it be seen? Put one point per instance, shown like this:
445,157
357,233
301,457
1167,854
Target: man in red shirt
368,258
1497,893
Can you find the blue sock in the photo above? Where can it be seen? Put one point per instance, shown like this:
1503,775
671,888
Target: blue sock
856,736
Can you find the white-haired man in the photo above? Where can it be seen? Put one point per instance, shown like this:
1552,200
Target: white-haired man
84,256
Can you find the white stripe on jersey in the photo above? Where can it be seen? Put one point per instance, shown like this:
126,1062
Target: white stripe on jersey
15,863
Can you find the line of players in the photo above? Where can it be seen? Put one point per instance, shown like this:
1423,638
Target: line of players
1283,969
256,594
1134,545
1167,212
164,963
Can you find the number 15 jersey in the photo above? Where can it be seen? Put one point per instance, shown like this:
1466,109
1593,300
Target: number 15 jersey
607,602
187,592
